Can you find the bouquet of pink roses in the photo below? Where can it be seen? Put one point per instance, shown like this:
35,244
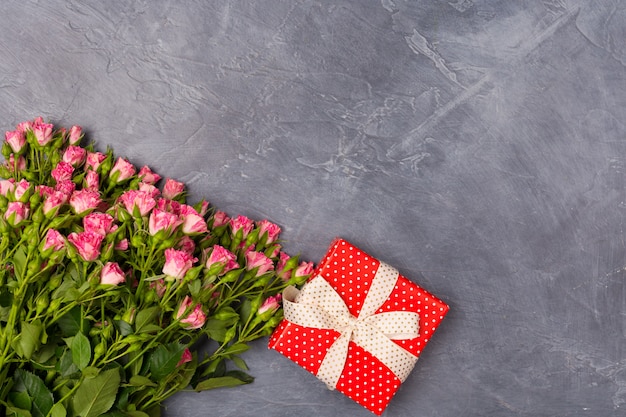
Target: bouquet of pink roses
109,285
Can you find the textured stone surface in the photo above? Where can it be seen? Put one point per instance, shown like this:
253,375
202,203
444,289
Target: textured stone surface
478,146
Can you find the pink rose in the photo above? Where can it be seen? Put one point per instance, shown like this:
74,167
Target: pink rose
147,176
220,219
159,286
270,228
100,223
7,186
111,274
195,319
75,135
94,159
304,269
243,224
281,271
193,223
44,190
150,189
275,250
92,181
170,206
122,245
24,126
186,357
186,244
204,207
271,305
63,171
43,132
172,189
84,200
177,263
162,221
16,212
54,241
16,165
122,170
16,140
139,200
260,261
66,187
53,202
224,257
74,155
87,244
21,191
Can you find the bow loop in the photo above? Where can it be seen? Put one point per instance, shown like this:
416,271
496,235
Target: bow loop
318,305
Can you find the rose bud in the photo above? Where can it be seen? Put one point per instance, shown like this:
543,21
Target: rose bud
83,201
112,274
62,172
186,357
241,226
147,176
162,223
75,135
94,159
16,140
122,170
16,213
177,263
87,244
42,132
268,232
100,223
74,155
195,319
221,260
172,189
259,261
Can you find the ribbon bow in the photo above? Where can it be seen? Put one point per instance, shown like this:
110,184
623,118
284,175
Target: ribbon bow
319,306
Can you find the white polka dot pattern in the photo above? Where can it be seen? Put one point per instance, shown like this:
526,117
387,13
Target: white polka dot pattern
371,379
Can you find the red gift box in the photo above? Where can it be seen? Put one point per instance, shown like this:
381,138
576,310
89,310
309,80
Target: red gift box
358,325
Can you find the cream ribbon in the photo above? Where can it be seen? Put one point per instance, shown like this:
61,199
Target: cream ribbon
319,306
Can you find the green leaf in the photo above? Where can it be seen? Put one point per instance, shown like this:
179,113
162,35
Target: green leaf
240,363
90,371
72,322
141,381
145,318
219,382
95,396
216,329
194,288
137,414
124,327
29,338
215,368
21,399
58,410
44,354
246,310
37,390
18,412
81,351
66,365
19,262
151,328
247,378
236,349
164,359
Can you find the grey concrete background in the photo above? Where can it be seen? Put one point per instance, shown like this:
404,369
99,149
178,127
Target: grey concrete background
478,146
